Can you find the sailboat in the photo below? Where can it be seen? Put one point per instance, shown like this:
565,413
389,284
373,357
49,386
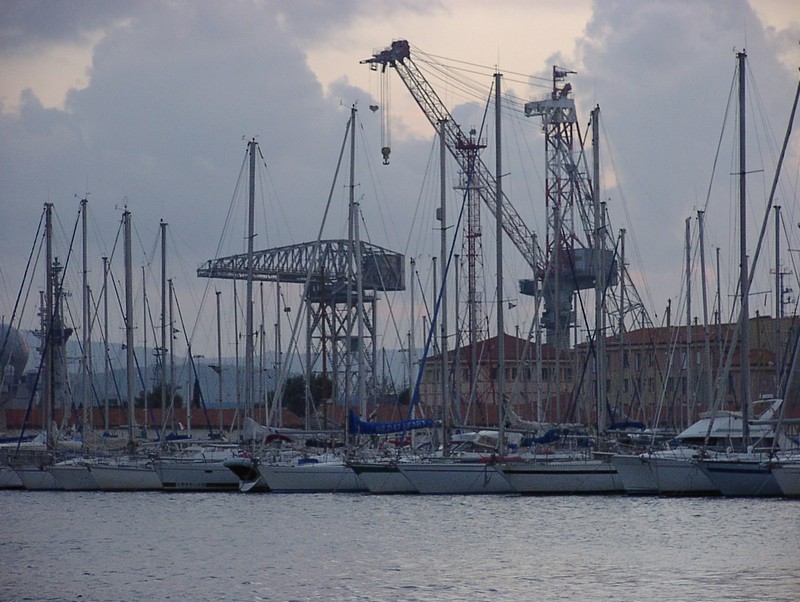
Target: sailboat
32,461
746,471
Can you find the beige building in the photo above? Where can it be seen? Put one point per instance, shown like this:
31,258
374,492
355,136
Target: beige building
660,376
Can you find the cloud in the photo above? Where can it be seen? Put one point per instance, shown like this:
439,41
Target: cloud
28,24
662,73
173,88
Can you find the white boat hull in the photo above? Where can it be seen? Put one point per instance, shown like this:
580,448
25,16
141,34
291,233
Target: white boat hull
563,477
741,478
323,477
383,478
9,478
74,477
246,471
636,475
36,477
681,477
192,474
126,477
456,478
788,478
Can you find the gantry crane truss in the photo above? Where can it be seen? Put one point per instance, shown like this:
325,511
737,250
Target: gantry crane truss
329,295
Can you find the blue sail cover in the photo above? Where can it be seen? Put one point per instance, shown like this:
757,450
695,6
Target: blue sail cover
357,426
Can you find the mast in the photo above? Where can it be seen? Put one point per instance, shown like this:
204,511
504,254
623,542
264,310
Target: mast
261,345
163,351
86,321
599,278
688,361
48,326
359,264
107,362
278,348
219,361
172,388
144,332
706,343
744,281
456,385
126,218
248,352
501,347
412,353
778,297
442,215
236,356
348,359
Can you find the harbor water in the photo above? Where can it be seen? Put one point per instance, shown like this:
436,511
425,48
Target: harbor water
231,546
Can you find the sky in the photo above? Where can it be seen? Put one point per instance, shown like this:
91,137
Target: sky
149,105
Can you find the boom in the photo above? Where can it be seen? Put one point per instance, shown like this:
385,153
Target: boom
398,56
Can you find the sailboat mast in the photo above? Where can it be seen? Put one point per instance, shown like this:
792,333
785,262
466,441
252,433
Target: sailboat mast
778,296
219,360
706,342
443,297
126,218
248,353
362,368
172,387
47,322
86,326
599,277
501,348
688,361
744,280
348,356
144,353
163,351
412,337
107,363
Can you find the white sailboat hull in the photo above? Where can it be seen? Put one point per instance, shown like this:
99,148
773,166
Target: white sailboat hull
788,478
383,478
193,474
741,478
323,477
36,477
134,476
681,477
456,478
246,470
74,477
9,478
563,477
636,475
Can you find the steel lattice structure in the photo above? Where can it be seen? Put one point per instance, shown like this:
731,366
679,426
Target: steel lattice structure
329,295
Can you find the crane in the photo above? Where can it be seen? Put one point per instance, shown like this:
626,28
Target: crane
567,262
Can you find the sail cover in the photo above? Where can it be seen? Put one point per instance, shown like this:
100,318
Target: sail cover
357,426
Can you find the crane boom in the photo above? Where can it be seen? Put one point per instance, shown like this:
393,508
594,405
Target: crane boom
398,56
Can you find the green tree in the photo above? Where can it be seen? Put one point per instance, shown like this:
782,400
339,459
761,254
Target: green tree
154,398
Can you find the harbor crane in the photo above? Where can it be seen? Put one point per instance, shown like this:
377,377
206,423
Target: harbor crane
569,262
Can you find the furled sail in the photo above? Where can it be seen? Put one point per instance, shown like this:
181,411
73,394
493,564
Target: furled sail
357,426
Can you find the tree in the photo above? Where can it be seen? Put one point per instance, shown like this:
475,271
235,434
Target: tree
154,398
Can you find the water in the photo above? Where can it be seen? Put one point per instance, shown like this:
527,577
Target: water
218,546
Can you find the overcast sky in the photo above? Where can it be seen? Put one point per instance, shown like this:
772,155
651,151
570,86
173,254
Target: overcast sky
149,105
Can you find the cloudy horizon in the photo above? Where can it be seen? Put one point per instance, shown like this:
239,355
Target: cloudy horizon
149,105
